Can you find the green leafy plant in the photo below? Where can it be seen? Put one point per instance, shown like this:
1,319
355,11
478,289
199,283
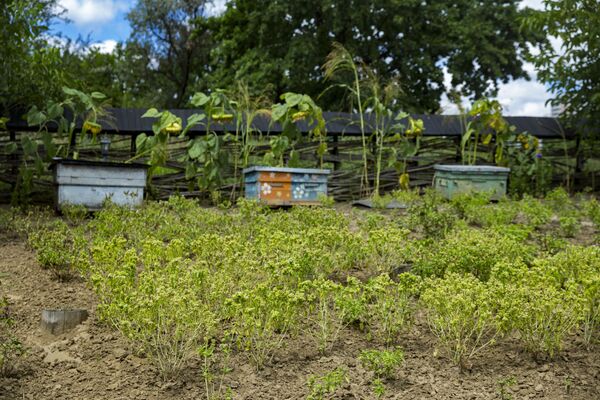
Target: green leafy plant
55,249
383,363
212,374
432,216
74,213
246,109
11,348
486,124
88,107
387,248
326,201
262,316
163,308
324,386
40,148
326,317
530,171
472,251
391,137
541,313
340,60
388,306
378,387
535,212
206,154
504,386
460,313
295,108
569,226
578,267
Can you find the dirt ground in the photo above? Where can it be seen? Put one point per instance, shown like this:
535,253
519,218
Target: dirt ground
94,362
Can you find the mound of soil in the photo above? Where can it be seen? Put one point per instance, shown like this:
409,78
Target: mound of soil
94,362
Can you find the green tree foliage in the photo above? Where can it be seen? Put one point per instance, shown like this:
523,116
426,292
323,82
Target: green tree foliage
167,54
572,71
36,65
29,64
284,44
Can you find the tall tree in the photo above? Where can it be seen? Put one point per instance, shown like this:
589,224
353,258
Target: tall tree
168,51
284,43
570,64
29,65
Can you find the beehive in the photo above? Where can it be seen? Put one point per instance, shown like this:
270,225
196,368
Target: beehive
279,186
89,183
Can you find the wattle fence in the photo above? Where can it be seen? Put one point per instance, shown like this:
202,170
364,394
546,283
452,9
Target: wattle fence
440,144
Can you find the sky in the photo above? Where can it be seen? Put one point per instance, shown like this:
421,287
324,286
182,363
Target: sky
105,23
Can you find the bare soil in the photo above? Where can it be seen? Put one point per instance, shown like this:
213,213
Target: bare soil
94,362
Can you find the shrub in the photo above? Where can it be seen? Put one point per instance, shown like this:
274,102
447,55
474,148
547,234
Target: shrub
560,202
471,251
530,303
493,215
383,363
214,371
516,232
432,216
407,197
577,267
466,204
59,249
388,307
75,214
352,301
11,348
162,307
535,212
260,319
543,316
460,314
569,226
326,315
387,249
591,209
328,383
549,242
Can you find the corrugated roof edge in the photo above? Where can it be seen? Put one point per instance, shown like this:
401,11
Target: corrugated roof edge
126,121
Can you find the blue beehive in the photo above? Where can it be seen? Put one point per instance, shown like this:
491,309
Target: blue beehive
285,186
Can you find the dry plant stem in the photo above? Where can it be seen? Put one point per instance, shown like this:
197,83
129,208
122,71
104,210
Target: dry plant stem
328,328
172,354
459,349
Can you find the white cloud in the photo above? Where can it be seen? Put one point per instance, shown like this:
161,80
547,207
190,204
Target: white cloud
526,98
518,98
83,12
535,4
106,46
216,7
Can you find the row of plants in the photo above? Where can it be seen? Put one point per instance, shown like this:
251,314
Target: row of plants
390,138
11,348
187,283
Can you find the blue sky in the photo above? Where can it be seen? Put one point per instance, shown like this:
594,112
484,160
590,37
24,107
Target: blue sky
105,23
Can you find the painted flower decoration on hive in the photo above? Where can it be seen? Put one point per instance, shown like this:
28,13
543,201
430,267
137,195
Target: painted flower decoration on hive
266,189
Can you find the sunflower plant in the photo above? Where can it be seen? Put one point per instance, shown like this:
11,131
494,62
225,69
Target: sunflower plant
486,127
295,109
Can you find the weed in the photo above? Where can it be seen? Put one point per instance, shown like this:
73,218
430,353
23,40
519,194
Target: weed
327,384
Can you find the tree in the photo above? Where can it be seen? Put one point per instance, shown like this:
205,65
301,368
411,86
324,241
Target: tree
570,70
30,65
284,43
168,51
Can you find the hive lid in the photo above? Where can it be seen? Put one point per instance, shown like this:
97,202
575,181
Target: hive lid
259,168
97,163
470,168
